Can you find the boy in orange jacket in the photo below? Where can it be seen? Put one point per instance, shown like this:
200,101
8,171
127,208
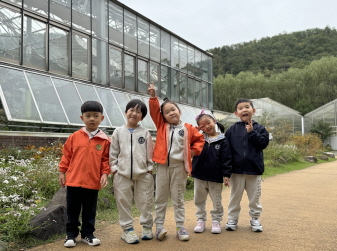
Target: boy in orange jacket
84,169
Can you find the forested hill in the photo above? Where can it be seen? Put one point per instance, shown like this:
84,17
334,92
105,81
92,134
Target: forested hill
275,54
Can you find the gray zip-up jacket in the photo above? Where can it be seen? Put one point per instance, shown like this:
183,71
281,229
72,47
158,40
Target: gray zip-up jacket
131,152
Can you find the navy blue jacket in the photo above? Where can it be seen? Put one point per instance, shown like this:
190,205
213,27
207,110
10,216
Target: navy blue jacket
214,162
247,154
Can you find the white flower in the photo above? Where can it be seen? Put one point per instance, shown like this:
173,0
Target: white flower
5,181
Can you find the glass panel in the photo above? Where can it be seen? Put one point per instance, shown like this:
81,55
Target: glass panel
10,35
129,72
154,43
88,93
34,43
99,61
17,95
115,64
81,15
197,68
39,6
190,60
183,88
60,10
147,121
115,23
122,100
174,52
204,88
165,45
17,2
142,76
143,37
58,50
164,82
197,94
80,56
183,56
46,98
210,96
130,31
154,75
190,91
100,19
67,91
175,85
205,66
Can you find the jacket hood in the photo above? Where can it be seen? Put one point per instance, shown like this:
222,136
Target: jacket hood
100,134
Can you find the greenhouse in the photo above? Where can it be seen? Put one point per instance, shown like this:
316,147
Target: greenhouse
328,114
271,114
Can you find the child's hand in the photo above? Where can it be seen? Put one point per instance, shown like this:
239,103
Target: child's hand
151,90
104,180
199,128
62,179
249,126
226,181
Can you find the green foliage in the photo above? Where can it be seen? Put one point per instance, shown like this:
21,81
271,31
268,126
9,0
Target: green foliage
276,154
322,129
308,144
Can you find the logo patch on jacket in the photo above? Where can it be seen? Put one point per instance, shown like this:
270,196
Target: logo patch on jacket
141,140
181,133
217,146
99,147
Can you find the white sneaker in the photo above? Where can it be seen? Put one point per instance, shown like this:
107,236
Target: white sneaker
91,240
231,225
147,234
69,242
161,233
200,227
183,234
129,236
256,225
216,229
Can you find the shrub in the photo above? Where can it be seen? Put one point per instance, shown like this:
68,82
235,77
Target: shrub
322,129
282,131
276,154
308,144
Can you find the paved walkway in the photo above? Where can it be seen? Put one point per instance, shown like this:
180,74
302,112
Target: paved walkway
300,213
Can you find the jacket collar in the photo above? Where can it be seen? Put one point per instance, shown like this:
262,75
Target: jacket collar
100,134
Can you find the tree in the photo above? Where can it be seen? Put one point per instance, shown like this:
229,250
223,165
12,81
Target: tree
323,129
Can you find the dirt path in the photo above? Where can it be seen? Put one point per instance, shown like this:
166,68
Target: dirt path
300,213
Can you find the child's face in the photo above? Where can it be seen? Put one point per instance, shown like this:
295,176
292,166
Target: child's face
207,125
92,120
244,111
133,116
171,113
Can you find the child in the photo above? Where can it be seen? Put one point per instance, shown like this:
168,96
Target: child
86,161
131,163
176,144
247,139
210,169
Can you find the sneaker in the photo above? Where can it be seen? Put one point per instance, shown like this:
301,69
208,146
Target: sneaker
200,227
231,225
69,242
256,225
183,234
91,240
216,229
147,234
161,233
129,236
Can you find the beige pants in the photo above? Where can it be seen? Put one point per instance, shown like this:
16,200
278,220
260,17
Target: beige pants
201,189
252,185
170,180
141,190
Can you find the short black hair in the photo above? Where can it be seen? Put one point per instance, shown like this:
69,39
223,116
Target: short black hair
91,106
221,126
137,103
243,100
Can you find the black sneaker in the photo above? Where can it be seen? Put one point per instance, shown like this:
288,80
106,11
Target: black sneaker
70,242
91,240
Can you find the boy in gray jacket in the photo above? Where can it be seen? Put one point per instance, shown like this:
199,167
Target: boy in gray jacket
131,163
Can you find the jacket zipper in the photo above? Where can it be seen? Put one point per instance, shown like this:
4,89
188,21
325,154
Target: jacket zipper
168,155
131,158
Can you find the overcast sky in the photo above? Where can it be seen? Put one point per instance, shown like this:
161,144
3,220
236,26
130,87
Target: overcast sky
215,23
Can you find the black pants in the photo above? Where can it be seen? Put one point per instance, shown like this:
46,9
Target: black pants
81,198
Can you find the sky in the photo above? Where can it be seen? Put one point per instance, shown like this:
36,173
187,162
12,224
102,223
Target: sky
214,23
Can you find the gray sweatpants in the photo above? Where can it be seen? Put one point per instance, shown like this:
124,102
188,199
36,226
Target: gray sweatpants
201,189
141,190
170,180
252,185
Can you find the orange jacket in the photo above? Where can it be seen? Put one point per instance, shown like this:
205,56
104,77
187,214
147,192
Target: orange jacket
193,140
84,161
